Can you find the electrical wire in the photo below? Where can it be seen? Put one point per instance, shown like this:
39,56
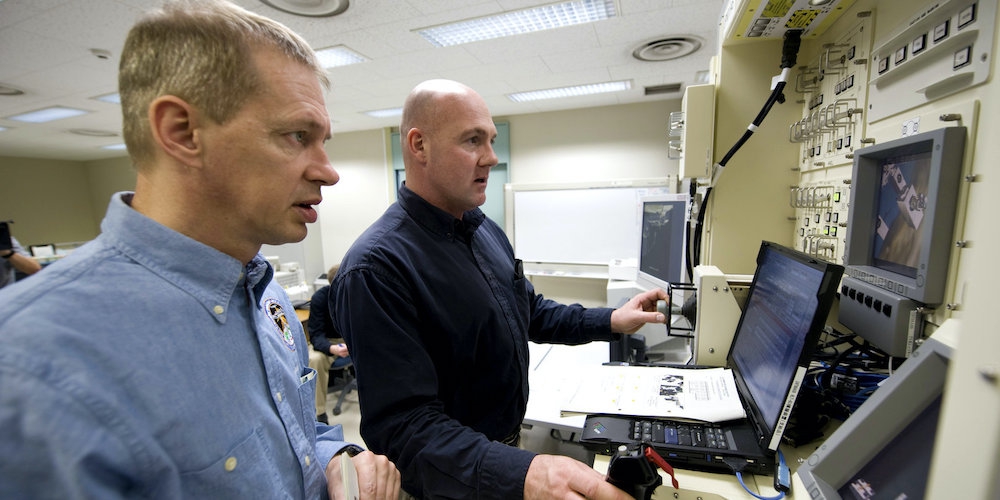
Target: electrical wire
789,54
779,496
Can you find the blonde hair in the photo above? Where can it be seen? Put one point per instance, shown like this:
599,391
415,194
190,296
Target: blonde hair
199,51
332,272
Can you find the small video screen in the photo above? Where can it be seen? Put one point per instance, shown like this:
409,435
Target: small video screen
902,202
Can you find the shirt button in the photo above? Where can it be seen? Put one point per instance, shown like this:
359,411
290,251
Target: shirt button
308,461
278,396
230,464
218,309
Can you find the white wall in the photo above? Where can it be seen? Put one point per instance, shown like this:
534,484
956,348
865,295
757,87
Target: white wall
363,193
612,142
595,144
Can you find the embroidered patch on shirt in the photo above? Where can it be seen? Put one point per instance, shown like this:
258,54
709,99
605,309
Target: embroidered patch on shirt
277,314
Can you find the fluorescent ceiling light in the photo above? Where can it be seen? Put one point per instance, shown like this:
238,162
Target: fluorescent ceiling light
113,98
385,113
593,88
519,21
332,57
48,114
114,147
2,128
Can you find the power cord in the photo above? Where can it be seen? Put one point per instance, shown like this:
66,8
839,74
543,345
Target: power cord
789,54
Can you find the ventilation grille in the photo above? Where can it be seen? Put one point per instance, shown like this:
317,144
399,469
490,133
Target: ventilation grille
666,48
668,88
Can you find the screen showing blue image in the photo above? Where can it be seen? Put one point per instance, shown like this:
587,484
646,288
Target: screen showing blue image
902,203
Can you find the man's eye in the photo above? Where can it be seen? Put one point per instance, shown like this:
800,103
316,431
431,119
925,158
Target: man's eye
299,136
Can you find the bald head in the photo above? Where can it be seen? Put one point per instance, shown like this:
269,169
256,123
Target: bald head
427,103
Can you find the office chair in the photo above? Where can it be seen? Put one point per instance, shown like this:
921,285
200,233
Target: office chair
343,365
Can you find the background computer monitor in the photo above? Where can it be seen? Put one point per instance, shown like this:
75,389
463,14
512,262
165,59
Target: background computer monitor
663,223
5,242
884,449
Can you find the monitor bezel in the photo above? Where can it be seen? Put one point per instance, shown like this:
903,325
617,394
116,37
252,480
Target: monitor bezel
901,398
947,149
648,281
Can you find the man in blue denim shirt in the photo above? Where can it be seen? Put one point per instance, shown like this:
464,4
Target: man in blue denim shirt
161,360
437,314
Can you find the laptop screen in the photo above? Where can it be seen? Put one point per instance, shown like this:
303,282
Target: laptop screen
786,309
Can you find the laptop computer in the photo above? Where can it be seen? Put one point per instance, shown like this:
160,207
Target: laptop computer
786,310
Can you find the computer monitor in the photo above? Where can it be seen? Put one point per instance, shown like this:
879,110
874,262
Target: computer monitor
663,227
902,214
5,242
884,449
662,232
900,233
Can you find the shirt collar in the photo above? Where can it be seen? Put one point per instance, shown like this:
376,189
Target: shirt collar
438,221
207,274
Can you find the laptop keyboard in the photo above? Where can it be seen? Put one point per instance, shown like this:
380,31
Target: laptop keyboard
656,431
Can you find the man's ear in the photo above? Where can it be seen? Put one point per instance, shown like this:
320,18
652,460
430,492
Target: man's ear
174,123
416,144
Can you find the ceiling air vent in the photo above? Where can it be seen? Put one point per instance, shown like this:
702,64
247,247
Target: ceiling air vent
309,8
666,48
669,88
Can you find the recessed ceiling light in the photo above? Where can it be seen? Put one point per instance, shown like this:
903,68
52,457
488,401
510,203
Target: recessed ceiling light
48,114
332,57
578,90
113,98
385,113
519,22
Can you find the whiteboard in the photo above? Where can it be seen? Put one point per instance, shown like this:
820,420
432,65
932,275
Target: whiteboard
576,224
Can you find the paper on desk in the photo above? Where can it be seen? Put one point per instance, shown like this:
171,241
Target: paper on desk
707,394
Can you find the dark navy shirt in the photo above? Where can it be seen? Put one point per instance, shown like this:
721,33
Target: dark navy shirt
437,315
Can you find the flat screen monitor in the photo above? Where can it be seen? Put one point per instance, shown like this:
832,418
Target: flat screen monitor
902,214
663,220
5,242
884,449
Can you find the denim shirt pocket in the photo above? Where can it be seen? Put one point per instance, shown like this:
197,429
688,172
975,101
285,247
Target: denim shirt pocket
243,471
307,394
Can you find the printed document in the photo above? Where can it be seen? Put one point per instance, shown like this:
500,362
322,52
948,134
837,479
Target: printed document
706,394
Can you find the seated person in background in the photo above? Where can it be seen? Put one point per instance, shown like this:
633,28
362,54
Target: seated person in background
438,314
16,260
324,354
